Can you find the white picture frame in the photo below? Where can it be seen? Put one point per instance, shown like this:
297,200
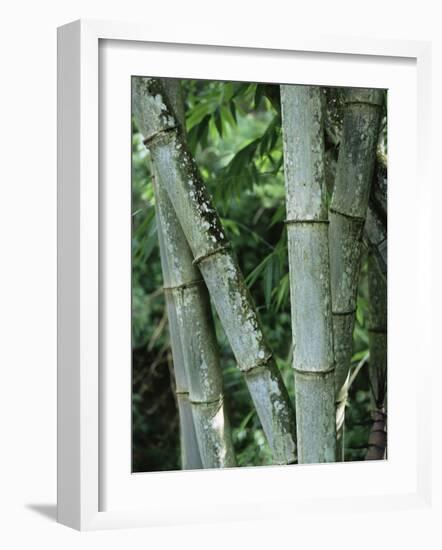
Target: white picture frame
82,440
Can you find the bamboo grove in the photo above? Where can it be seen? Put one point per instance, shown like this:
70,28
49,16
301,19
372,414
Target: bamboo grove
322,153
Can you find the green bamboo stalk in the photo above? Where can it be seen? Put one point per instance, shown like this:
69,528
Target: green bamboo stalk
212,254
377,340
309,264
347,215
194,348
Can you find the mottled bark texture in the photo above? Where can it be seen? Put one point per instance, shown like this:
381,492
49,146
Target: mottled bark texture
376,222
377,339
194,346
375,234
307,227
217,264
347,215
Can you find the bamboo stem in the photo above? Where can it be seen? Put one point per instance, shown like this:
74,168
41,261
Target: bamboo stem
375,234
307,227
347,214
376,222
210,247
190,455
191,322
194,345
376,237
377,340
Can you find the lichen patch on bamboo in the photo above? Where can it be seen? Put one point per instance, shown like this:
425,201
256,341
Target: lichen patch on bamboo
207,231
231,295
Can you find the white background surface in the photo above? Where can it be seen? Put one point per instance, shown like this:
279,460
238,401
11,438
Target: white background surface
120,489
28,274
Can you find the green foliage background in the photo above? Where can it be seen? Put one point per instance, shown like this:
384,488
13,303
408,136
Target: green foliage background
234,132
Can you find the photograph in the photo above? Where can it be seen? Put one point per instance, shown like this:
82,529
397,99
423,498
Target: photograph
259,274
222,270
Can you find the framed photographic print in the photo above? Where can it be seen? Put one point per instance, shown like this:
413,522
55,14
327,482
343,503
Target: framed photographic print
223,268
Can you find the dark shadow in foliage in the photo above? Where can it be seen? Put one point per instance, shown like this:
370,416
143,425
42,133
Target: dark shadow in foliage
155,444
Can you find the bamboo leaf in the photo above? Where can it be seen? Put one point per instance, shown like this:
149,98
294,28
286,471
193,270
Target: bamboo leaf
218,122
268,281
255,274
233,110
